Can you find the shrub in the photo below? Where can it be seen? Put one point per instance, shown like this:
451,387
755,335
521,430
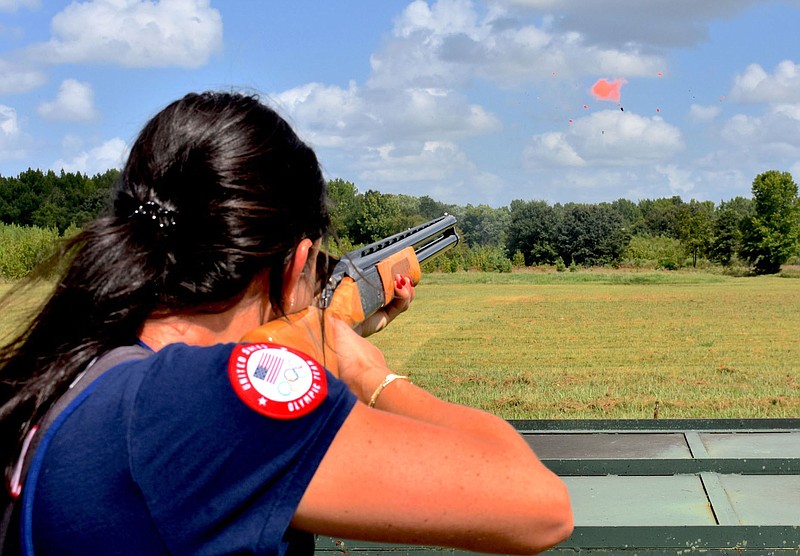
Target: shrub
485,258
24,247
654,252
488,259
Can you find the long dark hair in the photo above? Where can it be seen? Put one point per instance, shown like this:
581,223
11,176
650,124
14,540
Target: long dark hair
217,190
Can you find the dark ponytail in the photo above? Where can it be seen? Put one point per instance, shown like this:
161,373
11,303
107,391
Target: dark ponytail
217,190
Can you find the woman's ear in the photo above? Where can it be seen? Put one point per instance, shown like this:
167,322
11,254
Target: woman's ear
293,287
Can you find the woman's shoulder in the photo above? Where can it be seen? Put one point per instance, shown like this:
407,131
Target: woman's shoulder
182,372
175,353
268,380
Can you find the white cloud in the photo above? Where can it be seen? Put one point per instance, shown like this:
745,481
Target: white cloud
8,125
680,180
756,85
437,169
751,145
621,23
17,79
778,126
433,161
110,154
402,135
368,116
12,139
700,113
326,116
74,102
551,149
587,184
449,42
605,138
134,33
14,5
71,142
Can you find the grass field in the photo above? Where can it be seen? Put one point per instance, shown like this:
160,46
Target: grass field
601,344
604,344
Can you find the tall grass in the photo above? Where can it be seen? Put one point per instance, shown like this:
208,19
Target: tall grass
22,248
25,302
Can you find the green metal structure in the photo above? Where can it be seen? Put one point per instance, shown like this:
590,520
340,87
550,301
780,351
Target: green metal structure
664,486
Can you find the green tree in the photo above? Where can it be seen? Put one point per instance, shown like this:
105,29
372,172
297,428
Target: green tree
694,227
430,209
98,198
342,198
23,195
770,236
483,225
408,212
660,217
726,229
590,235
630,212
48,200
531,232
377,216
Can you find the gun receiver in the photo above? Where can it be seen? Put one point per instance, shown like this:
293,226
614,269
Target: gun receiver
361,282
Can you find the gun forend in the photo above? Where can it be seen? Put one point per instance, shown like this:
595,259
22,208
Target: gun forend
373,266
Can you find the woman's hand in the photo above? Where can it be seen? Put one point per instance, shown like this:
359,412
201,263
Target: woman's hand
403,296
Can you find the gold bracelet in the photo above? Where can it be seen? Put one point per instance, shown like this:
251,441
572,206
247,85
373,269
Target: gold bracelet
386,382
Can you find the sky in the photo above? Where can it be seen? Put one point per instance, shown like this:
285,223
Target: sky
465,101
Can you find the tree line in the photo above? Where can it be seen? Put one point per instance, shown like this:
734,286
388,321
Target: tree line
50,200
762,232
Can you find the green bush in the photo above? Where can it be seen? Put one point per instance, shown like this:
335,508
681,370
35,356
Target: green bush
463,258
24,247
648,251
488,259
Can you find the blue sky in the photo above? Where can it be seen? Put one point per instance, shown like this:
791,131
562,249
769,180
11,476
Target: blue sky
469,102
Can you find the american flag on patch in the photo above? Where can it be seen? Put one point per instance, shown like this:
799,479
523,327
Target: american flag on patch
268,367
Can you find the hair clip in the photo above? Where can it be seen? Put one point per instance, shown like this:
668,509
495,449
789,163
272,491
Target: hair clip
151,210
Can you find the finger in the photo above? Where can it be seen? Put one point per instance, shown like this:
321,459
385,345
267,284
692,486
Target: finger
404,288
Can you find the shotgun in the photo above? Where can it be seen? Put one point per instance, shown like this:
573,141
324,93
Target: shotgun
360,283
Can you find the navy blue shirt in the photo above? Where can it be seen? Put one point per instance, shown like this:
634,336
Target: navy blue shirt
160,456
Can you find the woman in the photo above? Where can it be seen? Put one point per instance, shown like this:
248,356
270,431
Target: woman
215,230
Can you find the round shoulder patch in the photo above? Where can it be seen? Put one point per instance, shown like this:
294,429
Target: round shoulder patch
277,381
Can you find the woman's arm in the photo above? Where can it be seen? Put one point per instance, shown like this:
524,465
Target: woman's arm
416,469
